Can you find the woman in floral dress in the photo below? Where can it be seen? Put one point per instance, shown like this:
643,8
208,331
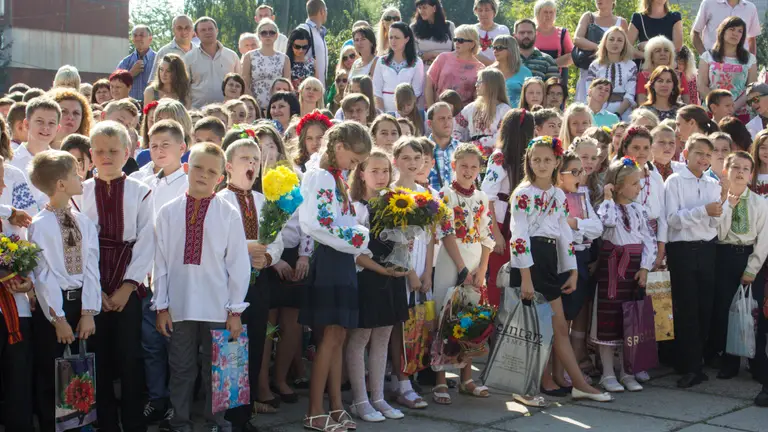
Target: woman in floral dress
263,66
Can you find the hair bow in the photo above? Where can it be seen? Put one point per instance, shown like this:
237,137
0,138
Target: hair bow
314,116
629,161
148,107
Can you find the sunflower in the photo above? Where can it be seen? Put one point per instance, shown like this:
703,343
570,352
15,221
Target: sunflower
401,204
458,332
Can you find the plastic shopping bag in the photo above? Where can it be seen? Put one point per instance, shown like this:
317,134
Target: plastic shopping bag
75,389
741,324
415,337
640,353
230,386
523,344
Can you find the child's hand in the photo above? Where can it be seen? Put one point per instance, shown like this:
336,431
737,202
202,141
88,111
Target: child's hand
608,192
747,279
164,323
570,285
86,327
120,298
64,333
257,252
501,243
283,270
527,290
19,284
414,283
302,268
235,326
20,218
106,303
724,186
478,278
641,277
660,254
714,209
426,282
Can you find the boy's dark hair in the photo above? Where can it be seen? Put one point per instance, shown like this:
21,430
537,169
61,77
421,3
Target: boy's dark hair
352,99
714,97
48,167
18,87
17,113
427,145
16,96
601,81
77,142
168,126
6,101
32,93
213,124
453,99
42,103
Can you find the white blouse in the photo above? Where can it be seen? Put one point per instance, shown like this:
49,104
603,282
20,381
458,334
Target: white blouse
687,217
21,159
539,213
652,199
747,224
51,276
386,78
168,188
484,136
17,194
496,182
293,236
200,275
274,249
639,231
587,229
623,76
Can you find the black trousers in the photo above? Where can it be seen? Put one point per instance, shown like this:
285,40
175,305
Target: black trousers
16,371
119,355
692,271
46,350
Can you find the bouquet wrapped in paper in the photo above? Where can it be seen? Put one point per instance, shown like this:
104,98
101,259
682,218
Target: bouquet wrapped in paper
17,257
399,215
467,326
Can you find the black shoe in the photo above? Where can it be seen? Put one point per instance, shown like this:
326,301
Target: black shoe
288,398
691,379
559,392
762,398
727,372
452,383
154,411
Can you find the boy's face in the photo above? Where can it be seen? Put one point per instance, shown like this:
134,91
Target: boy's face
123,117
204,172
71,185
244,167
207,135
165,150
109,155
42,126
423,174
357,112
722,149
83,161
758,102
723,109
600,93
699,157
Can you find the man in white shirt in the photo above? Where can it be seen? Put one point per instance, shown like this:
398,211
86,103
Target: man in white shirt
181,43
208,63
317,14
713,12
485,11
266,11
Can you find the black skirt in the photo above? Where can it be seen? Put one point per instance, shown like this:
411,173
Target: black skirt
383,300
544,270
585,287
287,293
333,297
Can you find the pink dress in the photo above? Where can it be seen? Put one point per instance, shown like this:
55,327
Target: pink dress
449,73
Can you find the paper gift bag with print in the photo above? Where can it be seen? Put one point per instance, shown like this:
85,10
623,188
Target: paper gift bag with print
415,337
659,288
640,352
230,387
75,389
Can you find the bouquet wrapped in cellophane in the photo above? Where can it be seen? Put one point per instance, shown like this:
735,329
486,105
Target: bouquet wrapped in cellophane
17,257
280,186
399,215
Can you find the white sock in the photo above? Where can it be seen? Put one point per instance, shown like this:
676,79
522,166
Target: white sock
406,390
606,356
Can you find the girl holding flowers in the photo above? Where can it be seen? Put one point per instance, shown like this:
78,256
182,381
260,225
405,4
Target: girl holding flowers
541,235
467,243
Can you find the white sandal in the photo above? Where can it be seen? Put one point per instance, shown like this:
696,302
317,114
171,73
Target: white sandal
476,392
436,395
329,426
392,413
373,417
611,384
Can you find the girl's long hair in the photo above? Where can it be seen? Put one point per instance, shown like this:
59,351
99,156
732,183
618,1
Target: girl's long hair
355,138
718,51
366,88
602,49
515,132
529,82
382,40
593,181
565,130
530,175
301,154
404,95
655,76
180,83
755,151
495,94
357,183
700,116
439,31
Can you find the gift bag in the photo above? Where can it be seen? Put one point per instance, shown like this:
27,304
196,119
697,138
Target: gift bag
741,324
75,389
415,337
230,387
640,352
659,288
444,353
523,343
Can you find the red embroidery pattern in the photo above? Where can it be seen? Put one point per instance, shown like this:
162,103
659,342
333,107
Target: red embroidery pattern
520,247
522,203
109,206
194,225
761,189
247,211
497,159
459,220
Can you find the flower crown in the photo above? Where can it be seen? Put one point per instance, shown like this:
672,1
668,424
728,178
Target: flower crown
628,161
149,107
606,129
314,116
245,132
554,142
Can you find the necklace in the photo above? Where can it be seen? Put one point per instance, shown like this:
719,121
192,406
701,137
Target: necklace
468,192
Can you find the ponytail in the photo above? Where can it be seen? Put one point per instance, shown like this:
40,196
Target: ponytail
700,116
354,137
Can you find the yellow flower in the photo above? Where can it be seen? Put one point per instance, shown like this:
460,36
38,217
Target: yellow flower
458,332
13,247
401,203
5,240
278,182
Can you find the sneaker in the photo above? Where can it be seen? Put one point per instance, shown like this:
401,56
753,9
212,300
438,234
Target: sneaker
154,411
165,424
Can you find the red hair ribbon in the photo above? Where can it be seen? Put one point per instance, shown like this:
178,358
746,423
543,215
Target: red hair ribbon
148,107
522,117
314,116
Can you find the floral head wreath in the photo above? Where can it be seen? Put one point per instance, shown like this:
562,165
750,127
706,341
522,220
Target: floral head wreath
554,142
632,132
245,132
629,162
314,116
148,107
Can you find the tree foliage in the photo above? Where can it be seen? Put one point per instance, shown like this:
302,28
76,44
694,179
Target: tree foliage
762,44
157,15
234,17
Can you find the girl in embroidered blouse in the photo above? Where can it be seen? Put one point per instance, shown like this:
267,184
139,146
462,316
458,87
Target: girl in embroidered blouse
504,172
467,244
614,62
760,156
541,235
479,121
331,306
310,138
627,231
532,93
663,150
595,177
576,120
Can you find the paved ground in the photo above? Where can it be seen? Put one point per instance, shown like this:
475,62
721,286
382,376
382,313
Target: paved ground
715,406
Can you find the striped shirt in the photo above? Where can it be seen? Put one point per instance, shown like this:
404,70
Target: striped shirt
542,65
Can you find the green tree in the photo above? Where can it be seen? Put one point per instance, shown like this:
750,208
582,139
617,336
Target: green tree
234,17
157,15
762,44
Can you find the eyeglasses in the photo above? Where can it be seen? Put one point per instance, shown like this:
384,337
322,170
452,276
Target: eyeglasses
461,40
574,172
755,99
499,48
341,80
349,57
268,33
391,18
300,47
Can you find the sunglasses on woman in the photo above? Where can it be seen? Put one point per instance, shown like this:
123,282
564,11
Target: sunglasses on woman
300,47
461,40
391,18
341,80
268,33
348,57
499,48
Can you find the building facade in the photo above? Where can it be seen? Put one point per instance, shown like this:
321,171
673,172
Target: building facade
43,35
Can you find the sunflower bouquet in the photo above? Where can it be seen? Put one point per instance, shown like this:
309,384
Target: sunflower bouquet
400,215
467,327
17,257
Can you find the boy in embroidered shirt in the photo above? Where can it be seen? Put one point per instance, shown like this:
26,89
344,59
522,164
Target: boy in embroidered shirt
694,208
243,166
16,125
67,275
193,296
122,208
209,129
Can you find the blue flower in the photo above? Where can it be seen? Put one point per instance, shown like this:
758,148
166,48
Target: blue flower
291,201
465,322
485,314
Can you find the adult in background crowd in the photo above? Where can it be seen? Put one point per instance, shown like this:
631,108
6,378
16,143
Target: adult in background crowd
663,90
456,70
487,29
614,62
100,92
659,51
302,65
654,19
67,76
400,65
181,43
76,114
541,65
510,64
233,87
247,43
262,66
552,40
432,30
120,84
389,16
266,11
141,61
317,15
364,40
171,81
208,64
713,12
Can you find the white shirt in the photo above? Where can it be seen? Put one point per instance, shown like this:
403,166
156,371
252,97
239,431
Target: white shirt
274,249
206,73
589,228
318,49
167,189
755,126
750,228
145,173
21,159
485,136
496,182
293,237
138,214
487,37
386,79
218,284
685,199
639,231
538,213
17,194
170,48
652,199
51,276
713,12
